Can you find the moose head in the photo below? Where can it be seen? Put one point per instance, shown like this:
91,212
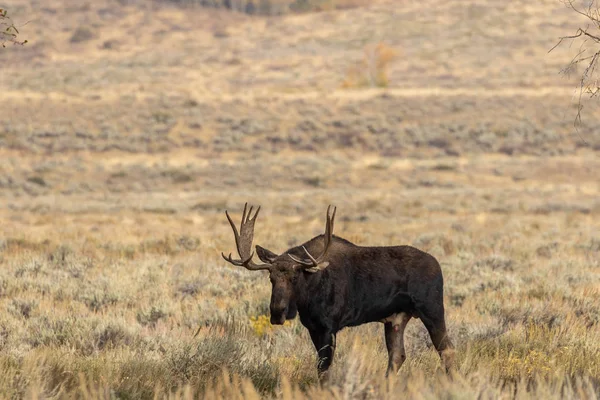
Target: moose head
284,269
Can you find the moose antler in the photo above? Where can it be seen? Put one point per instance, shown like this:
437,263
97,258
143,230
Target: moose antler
316,264
243,241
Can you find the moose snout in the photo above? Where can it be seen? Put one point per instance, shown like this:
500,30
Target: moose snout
278,316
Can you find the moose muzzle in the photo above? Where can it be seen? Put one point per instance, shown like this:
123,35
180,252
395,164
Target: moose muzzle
278,317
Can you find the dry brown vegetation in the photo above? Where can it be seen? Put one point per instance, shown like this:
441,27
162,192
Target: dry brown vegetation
129,128
372,70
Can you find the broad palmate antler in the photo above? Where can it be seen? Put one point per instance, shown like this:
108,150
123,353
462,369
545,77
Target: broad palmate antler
243,241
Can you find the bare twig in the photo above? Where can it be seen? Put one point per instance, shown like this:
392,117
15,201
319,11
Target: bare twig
8,31
588,37
578,34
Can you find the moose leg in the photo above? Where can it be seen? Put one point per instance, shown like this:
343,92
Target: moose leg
324,342
436,326
394,341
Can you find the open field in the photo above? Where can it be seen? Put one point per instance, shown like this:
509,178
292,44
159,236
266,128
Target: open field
128,127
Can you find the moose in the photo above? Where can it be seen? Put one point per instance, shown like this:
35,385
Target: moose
332,284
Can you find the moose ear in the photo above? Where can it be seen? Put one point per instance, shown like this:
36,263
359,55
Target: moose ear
265,255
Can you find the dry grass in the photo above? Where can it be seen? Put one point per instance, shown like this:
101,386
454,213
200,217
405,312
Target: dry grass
109,301
136,124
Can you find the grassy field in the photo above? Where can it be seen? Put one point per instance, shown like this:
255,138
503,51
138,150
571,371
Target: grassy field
128,127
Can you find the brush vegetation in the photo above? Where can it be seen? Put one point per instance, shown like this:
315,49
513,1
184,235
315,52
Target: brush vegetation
137,314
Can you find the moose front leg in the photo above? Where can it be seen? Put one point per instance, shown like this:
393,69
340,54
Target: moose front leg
324,342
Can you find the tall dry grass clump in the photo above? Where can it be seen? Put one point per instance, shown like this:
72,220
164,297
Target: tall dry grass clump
372,70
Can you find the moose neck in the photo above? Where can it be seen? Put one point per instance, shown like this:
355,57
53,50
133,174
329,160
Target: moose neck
314,291
301,290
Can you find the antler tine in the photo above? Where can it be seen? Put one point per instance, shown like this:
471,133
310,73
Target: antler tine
301,262
314,262
231,260
312,259
235,231
310,263
329,230
329,225
248,216
244,215
256,214
333,220
239,263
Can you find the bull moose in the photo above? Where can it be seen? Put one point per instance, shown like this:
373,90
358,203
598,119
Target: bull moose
332,284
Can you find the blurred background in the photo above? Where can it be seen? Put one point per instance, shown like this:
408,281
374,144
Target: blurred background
114,100
182,97
127,128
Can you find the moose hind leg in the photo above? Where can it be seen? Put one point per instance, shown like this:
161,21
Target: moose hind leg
435,323
324,342
394,341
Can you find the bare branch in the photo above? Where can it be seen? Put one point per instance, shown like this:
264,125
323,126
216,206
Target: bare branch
588,37
8,31
578,34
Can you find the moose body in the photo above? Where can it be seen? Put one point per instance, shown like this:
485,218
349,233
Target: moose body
350,285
